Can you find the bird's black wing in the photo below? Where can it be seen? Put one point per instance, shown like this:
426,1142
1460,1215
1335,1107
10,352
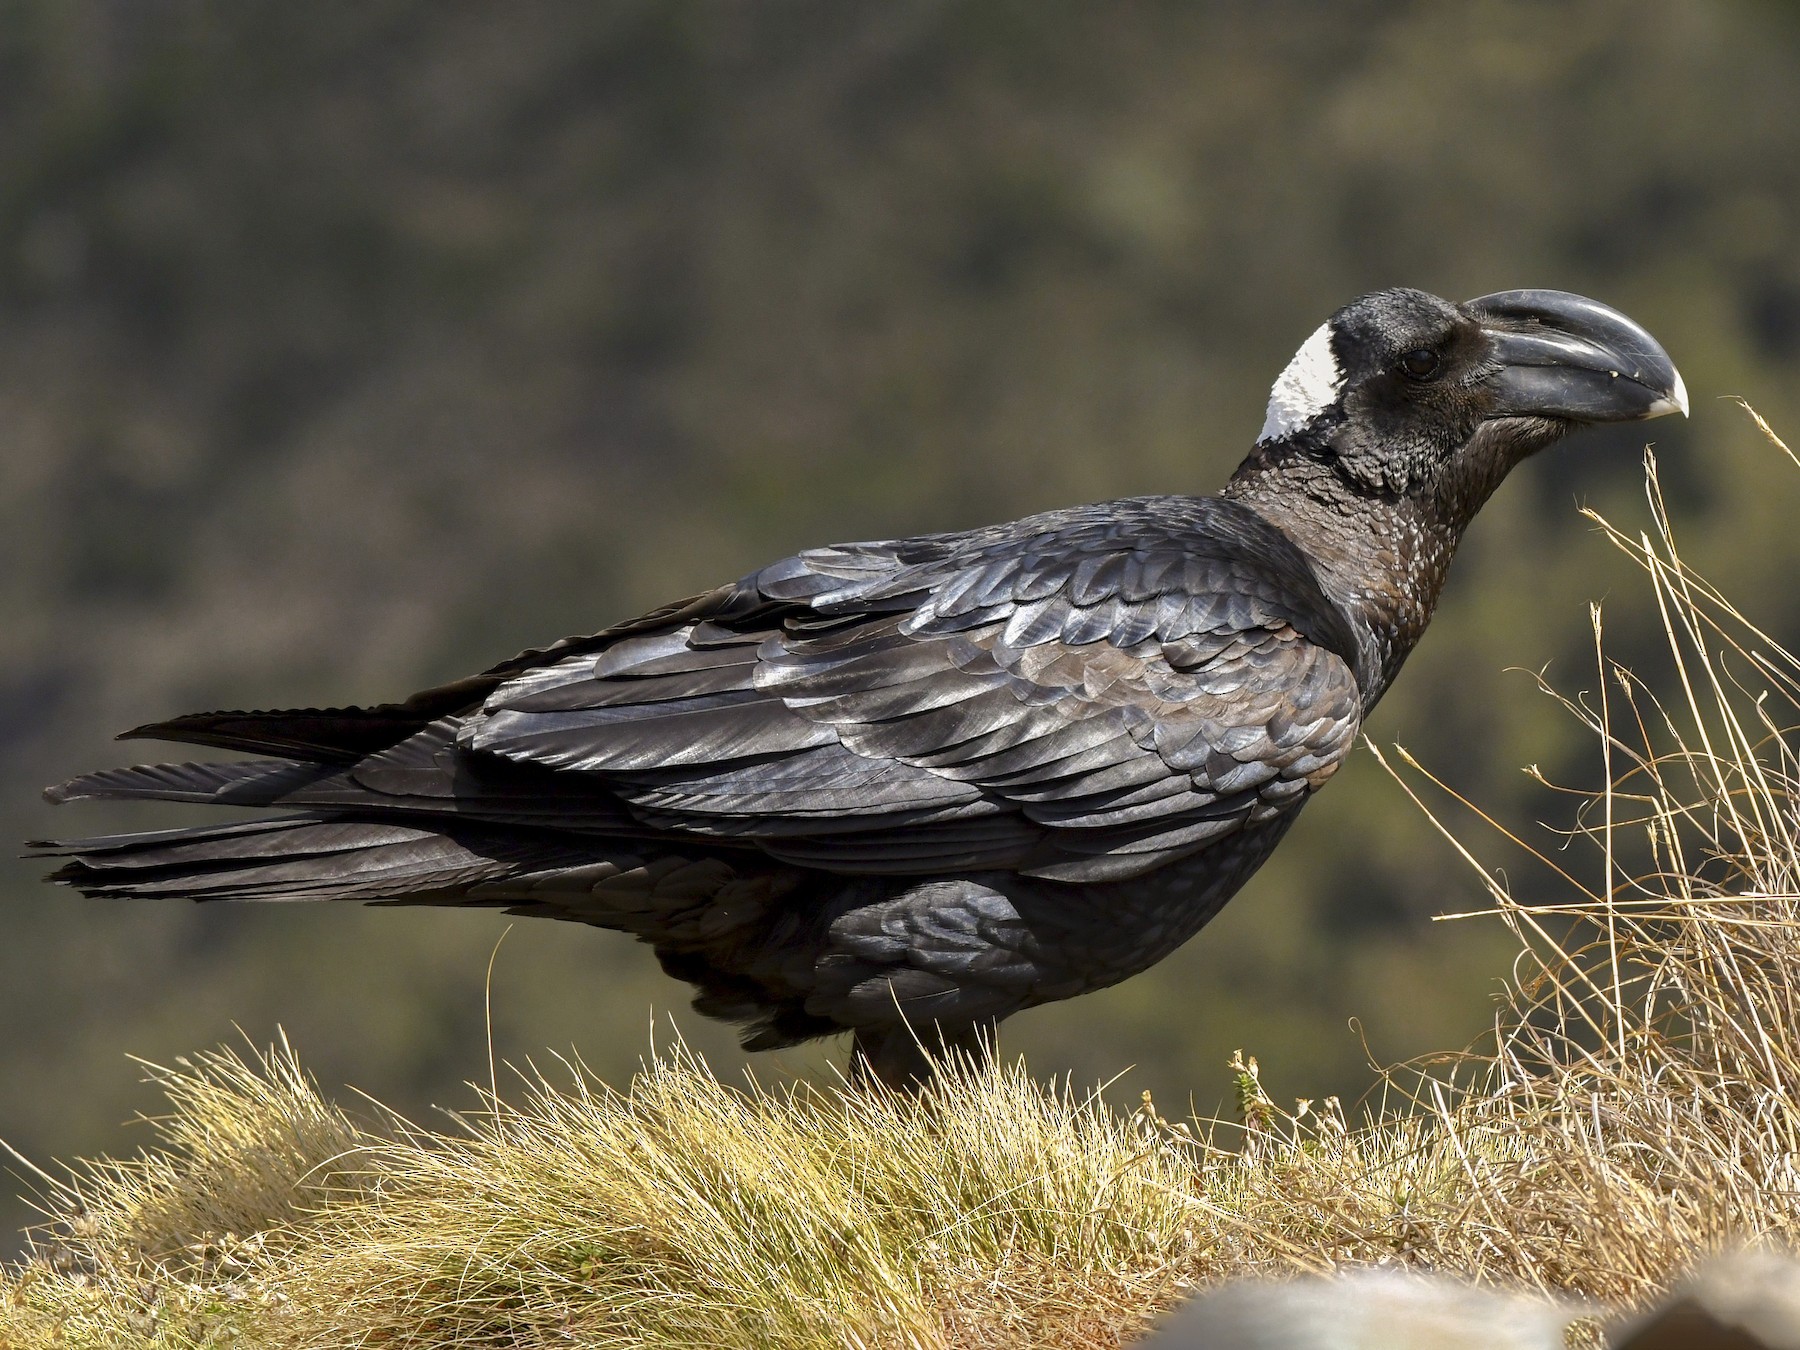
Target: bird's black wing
1080,696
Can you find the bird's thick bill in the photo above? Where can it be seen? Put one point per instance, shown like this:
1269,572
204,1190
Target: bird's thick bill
1563,355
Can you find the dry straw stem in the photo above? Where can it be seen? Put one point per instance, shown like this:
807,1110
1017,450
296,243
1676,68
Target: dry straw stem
1636,1109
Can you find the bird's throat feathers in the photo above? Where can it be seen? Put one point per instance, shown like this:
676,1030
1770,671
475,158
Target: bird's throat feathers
1381,552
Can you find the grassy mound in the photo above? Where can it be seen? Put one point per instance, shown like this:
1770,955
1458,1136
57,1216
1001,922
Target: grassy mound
1640,1107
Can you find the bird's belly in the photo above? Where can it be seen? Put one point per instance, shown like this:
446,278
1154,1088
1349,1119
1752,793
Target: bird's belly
962,949
1087,937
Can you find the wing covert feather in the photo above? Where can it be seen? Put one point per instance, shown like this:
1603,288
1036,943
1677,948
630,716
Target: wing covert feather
1083,695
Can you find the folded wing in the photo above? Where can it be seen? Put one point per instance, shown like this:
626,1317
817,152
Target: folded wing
1084,696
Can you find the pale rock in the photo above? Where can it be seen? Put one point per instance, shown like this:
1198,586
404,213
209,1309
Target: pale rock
1366,1310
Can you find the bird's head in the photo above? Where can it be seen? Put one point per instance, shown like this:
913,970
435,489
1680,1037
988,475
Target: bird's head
1402,393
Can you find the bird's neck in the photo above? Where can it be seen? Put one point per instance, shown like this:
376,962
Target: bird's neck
1381,557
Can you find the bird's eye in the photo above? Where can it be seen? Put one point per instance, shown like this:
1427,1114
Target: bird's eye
1421,363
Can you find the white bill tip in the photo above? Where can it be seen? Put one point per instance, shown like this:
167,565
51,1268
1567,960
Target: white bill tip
1676,401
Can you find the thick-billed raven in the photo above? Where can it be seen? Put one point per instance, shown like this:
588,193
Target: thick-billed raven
908,788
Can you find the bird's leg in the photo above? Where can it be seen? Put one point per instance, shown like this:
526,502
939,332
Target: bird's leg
905,1057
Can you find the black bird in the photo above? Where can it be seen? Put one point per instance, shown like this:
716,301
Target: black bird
908,788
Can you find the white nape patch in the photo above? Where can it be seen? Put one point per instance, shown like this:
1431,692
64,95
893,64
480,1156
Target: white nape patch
1309,385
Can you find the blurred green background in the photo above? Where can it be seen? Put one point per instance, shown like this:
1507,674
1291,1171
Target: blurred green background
347,347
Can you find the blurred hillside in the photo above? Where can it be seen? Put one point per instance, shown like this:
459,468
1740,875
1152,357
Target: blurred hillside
345,348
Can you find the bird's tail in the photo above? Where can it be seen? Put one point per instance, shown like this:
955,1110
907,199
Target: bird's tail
311,858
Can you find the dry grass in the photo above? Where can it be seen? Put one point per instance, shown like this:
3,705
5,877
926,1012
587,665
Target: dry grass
1638,1108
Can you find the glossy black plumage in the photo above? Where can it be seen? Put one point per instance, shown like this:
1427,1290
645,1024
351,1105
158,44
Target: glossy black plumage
907,788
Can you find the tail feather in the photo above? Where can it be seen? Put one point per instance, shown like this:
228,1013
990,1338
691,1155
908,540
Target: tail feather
340,735
413,780
301,858
255,782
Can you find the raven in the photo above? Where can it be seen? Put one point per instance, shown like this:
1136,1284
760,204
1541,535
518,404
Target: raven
908,788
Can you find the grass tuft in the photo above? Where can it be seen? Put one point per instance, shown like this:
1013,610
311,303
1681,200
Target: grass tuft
1638,1109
